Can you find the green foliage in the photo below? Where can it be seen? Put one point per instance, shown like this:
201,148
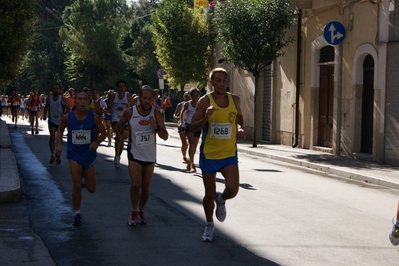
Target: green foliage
17,20
252,32
92,35
182,42
252,35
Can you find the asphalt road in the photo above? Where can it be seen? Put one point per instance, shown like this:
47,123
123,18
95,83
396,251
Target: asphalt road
282,215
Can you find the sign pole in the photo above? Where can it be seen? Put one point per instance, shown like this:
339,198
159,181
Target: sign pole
160,74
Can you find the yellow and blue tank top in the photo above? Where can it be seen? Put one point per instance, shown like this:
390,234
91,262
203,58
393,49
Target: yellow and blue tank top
219,132
91,106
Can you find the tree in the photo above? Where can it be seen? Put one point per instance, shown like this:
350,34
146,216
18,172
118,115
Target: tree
17,21
182,42
92,35
144,59
139,44
252,34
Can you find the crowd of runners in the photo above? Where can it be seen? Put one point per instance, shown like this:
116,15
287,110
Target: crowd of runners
91,119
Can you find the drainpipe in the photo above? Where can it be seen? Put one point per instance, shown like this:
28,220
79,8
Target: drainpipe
339,101
298,77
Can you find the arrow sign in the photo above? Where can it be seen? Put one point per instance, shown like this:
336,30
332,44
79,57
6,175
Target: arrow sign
334,32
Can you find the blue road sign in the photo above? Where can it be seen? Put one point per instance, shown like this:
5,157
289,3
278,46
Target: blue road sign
334,32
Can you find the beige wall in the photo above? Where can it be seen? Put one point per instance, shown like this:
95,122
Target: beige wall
362,21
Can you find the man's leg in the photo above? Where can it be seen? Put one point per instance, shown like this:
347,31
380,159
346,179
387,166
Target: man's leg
16,115
118,146
232,181
147,172
184,145
192,148
52,143
76,173
209,181
90,179
135,171
394,234
31,122
37,122
210,188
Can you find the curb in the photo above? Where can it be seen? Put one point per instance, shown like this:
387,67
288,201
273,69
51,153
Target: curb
10,186
328,169
338,171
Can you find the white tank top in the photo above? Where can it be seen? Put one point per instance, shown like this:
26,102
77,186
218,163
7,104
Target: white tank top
142,141
189,113
118,106
56,110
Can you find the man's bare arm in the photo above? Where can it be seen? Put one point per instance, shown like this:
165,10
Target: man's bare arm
160,126
60,132
120,126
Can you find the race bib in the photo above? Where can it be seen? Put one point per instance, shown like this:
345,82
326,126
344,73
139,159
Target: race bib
145,137
34,108
80,137
220,131
55,116
15,104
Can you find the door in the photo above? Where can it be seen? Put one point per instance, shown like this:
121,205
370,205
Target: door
367,105
326,100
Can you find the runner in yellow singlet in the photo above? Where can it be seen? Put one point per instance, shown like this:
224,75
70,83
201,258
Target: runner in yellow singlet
219,115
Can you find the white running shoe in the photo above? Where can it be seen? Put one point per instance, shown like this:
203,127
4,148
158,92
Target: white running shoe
220,208
207,236
117,161
141,218
394,234
132,221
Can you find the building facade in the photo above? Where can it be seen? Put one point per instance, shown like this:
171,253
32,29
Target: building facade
345,100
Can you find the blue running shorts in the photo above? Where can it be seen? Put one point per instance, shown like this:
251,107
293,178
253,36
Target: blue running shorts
211,167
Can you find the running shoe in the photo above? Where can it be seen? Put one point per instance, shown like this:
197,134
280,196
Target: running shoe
109,144
77,221
117,161
32,132
220,208
394,234
184,160
141,218
207,236
193,169
133,219
37,132
58,158
52,159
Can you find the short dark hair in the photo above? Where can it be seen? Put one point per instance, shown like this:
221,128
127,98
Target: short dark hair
193,90
120,81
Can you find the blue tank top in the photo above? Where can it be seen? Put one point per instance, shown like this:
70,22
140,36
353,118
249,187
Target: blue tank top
81,134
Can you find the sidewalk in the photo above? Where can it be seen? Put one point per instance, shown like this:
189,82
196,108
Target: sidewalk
10,189
365,171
